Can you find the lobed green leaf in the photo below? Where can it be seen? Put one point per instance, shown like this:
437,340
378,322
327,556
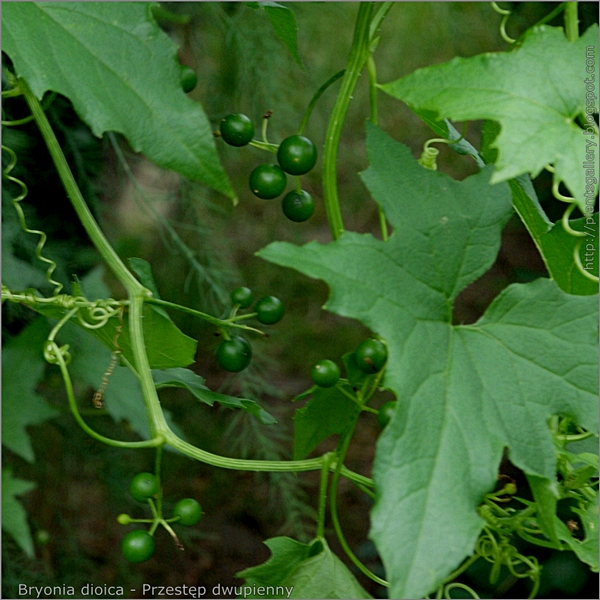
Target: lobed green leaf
535,93
466,392
121,72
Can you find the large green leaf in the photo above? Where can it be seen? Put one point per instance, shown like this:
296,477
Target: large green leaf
329,412
534,93
14,517
297,570
121,72
465,392
23,367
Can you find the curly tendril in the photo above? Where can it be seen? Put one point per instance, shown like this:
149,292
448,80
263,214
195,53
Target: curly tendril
16,203
429,154
500,552
567,227
505,14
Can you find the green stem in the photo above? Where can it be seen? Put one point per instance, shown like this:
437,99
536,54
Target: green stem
316,97
137,293
334,514
157,441
378,17
157,467
264,146
356,61
323,496
571,21
231,322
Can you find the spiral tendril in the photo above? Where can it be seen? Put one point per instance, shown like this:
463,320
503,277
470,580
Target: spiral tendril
567,227
16,203
505,14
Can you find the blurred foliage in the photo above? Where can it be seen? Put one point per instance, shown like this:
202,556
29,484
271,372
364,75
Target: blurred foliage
200,248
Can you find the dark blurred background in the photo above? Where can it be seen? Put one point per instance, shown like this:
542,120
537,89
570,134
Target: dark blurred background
242,67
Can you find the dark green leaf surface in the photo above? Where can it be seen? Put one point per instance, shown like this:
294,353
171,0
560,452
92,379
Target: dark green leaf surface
184,378
329,412
286,555
534,93
466,391
14,517
23,367
322,575
121,72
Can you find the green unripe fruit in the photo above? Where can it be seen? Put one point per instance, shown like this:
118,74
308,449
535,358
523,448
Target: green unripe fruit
370,356
297,155
325,373
237,130
188,510
188,79
267,181
269,310
124,519
144,486
138,546
234,355
242,296
298,206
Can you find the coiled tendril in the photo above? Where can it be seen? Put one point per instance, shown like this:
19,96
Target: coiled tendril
15,201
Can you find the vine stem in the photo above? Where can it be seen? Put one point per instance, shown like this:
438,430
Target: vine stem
334,514
323,495
571,21
159,429
356,61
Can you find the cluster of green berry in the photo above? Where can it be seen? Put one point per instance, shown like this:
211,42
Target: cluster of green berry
139,545
370,357
296,155
235,353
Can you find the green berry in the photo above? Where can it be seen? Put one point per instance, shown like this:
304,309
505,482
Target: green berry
144,486
298,206
237,130
269,310
370,356
234,355
267,181
188,510
188,79
138,546
325,373
242,296
123,519
297,155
